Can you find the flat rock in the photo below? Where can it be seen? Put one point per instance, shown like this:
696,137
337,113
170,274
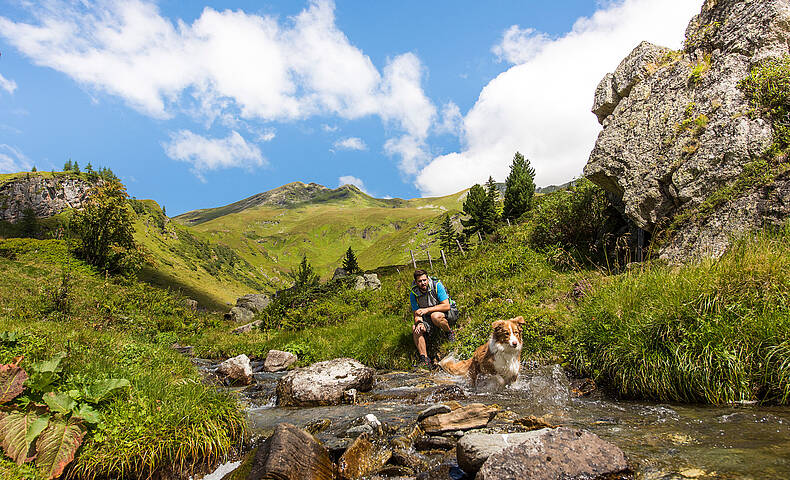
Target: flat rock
475,415
433,410
434,442
277,361
291,454
247,328
237,369
551,454
323,383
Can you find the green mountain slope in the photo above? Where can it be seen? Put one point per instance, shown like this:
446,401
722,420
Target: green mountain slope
272,230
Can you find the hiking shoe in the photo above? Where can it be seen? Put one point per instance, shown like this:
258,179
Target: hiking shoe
450,335
424,362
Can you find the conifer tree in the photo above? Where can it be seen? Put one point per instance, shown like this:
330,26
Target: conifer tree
519,188
76,167
67,166
304,277
350,264
481,212
492,195
447,235
34,169
29,223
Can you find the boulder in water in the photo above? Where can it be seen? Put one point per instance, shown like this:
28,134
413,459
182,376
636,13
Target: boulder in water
323,383
474,448
277,361
475,415
550,454
237,369
291,454
362,457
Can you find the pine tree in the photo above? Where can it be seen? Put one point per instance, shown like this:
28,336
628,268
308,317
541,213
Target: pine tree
76,167
480,210
492,196
29,223
519,188
304,276
67,166
447,235
350,264
34,169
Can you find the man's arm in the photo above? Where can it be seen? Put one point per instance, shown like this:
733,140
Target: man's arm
443,306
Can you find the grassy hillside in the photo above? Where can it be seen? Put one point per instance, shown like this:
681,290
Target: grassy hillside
273,237
167,420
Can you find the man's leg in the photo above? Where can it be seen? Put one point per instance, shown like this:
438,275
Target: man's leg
418,334
438,319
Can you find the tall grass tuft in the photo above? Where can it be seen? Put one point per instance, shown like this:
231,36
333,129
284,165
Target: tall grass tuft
714,331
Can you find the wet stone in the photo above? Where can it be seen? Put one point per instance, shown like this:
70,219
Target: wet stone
291,454
475,415
433,410
432,442
362,457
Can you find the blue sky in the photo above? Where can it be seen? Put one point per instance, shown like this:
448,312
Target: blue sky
199,104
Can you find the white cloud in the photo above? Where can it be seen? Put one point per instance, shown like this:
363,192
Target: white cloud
412,151
225,65
329,128
352,180
7,85
542,107
12,160
206,154
520,46
350,143
451,119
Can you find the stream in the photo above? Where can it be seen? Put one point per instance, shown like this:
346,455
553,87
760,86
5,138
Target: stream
662,441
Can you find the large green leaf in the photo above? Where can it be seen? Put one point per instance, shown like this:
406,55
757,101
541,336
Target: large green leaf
12,382
59,402
57,445
42,381
51,365
102,389
88,413
18,431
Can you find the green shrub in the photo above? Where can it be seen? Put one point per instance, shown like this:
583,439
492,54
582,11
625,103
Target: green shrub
768,89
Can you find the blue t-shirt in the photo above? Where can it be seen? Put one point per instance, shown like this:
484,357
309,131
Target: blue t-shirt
441,295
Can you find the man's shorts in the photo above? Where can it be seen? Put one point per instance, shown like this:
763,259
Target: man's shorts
451,315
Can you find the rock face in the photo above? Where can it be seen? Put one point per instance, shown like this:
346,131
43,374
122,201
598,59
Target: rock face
291,454
551,454
676,127
277,361
46,196
237,369
323,383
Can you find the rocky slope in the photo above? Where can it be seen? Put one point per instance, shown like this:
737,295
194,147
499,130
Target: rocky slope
47,194
681,140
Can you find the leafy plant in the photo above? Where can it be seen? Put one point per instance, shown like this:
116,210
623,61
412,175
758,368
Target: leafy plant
768,89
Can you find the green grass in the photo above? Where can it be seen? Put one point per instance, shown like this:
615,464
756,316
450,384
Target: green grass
168,421
714,331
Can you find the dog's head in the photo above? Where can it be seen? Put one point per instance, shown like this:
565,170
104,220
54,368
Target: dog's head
508,332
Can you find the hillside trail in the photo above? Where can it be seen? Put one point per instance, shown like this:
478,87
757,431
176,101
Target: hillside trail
664,441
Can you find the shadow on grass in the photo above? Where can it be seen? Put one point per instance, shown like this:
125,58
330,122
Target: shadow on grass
161,279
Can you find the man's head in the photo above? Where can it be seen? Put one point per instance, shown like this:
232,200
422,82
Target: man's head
421,279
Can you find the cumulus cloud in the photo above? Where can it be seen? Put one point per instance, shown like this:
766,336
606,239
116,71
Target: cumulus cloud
350,143
7,85
206,154
225,65
451,119
541,106
12,160
351,180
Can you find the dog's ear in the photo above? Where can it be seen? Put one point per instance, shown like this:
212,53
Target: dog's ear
519,320
496,324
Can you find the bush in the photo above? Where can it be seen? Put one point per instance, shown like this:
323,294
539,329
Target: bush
768,89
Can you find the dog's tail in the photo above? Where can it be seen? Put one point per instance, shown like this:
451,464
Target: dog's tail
450,365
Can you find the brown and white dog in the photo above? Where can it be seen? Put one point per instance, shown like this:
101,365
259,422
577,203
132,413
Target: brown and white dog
500,357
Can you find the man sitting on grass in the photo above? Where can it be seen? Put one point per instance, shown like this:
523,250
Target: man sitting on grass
432,309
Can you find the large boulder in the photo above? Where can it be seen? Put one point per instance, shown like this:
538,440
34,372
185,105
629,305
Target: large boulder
240,315
291,454
677,129
323,383
473,449
237,370
368,281
551,454
254,302
277,361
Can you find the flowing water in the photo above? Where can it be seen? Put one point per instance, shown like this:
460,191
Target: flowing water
663,441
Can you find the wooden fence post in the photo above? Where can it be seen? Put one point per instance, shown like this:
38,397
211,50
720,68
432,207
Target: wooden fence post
508,221
460,247
479,237
413,261
429,259
444,259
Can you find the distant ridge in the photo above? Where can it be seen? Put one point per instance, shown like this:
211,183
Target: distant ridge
288,195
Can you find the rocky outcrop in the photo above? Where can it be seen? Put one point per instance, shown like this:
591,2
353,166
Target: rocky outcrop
368,281
246,308
555,453
676,127
46,195
323,383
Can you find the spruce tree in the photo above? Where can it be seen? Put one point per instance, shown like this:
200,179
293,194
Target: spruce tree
350,264
76,167
481,212
29,223
67,166
492,196
447,234
304,277
519,188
